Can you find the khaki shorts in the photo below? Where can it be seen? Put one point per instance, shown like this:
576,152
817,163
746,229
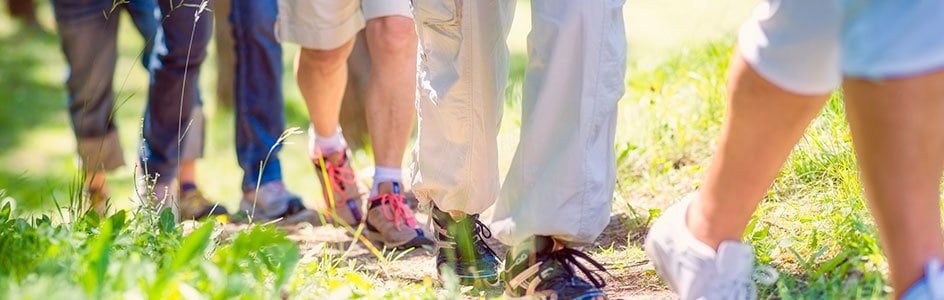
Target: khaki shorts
328,24
808,46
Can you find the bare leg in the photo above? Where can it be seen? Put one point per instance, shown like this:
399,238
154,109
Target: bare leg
321,77
95,181
187,172
763,124
392,87
899,140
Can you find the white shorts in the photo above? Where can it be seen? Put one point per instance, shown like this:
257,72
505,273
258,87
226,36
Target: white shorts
807,46
328,24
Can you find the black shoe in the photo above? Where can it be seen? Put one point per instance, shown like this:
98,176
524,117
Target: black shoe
536,270
464,251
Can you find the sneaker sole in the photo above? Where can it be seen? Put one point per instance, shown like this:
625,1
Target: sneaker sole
659,234
480,281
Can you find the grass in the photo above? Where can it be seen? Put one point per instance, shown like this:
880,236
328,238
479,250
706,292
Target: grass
813,227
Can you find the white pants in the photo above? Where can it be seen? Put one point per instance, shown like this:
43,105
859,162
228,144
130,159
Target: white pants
561,179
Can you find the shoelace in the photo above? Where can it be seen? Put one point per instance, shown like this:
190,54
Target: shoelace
338,176
568,258
479,231
483,233
395,209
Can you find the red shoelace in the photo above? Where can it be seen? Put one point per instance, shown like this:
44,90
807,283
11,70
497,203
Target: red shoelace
338,176
395,209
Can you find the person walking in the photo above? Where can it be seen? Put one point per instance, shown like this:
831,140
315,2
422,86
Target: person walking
888,56
325,30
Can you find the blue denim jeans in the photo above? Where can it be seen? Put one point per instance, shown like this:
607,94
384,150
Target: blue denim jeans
260,117
174,87
88,32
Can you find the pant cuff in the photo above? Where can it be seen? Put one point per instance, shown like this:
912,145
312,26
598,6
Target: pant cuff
272,172
101,152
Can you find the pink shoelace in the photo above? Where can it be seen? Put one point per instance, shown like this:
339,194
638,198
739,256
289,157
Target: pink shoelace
338,176
395,209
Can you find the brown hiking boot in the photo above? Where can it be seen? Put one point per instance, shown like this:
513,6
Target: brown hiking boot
339,187
194,206
98,201
391,221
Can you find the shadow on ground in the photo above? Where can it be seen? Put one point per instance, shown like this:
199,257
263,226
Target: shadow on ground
629,272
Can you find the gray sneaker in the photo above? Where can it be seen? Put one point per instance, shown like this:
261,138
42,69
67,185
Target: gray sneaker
695,270
271,201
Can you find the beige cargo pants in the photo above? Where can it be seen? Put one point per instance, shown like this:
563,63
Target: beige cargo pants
561,179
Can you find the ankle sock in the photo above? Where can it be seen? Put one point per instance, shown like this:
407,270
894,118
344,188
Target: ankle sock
319,145
385,174
188,186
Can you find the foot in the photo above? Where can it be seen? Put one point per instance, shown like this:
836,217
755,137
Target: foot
97,200
931,286
270,201
542,268
463,250
194,206
391,221
339,186
693,269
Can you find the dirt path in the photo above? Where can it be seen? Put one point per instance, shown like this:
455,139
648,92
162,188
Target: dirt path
632,277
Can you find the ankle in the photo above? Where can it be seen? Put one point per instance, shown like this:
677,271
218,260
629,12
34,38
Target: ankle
457,215
381,188
707,232
329,144
384,180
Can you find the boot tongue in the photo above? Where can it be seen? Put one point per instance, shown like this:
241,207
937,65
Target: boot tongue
543,245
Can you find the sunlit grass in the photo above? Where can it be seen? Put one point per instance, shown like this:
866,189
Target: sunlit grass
813,226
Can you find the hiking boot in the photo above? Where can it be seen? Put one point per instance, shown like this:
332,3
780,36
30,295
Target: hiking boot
194,206
339,186
541,268
391,221
463,249
270,201
98,201
693,269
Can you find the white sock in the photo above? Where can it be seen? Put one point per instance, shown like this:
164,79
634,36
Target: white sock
385,174
325,144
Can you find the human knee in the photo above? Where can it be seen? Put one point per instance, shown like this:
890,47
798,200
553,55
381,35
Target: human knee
324,59
392,34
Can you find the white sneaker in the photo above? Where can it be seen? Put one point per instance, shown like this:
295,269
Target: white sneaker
931,286
695,270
